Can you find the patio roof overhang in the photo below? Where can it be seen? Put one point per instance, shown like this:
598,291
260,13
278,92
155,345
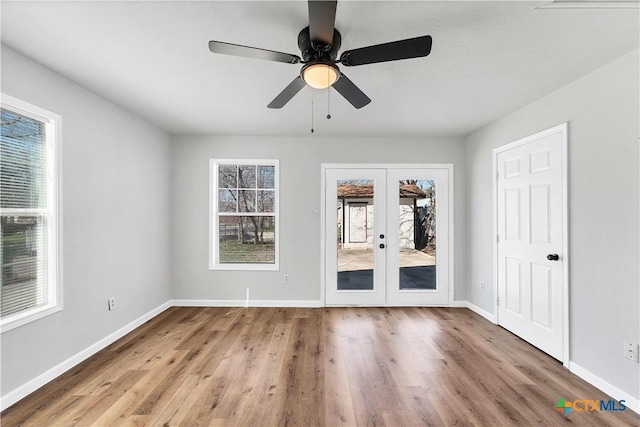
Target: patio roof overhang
365,191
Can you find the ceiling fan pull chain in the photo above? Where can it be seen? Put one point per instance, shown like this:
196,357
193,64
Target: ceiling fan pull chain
328,95
312,111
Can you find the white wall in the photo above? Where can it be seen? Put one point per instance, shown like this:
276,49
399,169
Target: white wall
116,175
603,111
300,160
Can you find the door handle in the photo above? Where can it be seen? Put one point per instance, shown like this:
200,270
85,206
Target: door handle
381,245
382,236
553,257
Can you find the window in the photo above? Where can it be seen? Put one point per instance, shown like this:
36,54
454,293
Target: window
244,215
29,239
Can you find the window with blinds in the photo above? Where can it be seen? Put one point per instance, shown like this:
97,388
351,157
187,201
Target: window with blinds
244,217
28,220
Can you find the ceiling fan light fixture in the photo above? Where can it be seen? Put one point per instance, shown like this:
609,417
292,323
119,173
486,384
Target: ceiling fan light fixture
320,75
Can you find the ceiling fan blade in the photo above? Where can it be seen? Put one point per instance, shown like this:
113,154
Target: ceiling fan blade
289,92
252,52
351,92
322,18
393,51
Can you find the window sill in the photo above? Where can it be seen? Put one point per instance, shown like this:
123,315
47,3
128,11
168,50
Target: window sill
245,267
22,318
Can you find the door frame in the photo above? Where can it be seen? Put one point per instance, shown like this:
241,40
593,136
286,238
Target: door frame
450,215
563,130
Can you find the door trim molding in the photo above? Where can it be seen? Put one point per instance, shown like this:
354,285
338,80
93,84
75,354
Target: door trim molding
451,216
563,130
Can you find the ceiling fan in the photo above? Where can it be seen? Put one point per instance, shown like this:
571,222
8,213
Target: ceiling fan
319,44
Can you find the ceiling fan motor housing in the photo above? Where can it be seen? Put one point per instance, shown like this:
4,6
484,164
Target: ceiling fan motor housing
318,51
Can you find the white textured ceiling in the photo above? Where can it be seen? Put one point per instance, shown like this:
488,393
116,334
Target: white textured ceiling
488,59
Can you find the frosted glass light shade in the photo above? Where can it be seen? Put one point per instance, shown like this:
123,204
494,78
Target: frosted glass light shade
320,76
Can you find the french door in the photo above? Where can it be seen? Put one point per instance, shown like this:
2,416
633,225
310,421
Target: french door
387,237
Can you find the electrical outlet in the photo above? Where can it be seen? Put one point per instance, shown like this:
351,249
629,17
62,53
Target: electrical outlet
286,278
112,303
631,351
482,287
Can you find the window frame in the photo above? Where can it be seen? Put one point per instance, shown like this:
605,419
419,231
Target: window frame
53,252
214,216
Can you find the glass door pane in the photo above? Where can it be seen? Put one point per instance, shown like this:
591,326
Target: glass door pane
355,221
417,233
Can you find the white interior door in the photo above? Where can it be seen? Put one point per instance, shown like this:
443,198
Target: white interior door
530,243
387,236
354,221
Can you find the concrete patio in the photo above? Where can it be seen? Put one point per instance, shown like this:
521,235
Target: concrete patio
355,269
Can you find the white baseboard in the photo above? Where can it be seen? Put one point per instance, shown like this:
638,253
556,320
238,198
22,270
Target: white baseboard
482,312
24,390
613,391
244,303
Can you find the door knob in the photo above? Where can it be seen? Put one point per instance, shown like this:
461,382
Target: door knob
382,236
381,245
553,257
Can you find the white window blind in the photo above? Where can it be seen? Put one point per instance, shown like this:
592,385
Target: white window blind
244,204
27,215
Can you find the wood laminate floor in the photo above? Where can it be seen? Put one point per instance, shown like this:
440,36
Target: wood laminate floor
263,367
